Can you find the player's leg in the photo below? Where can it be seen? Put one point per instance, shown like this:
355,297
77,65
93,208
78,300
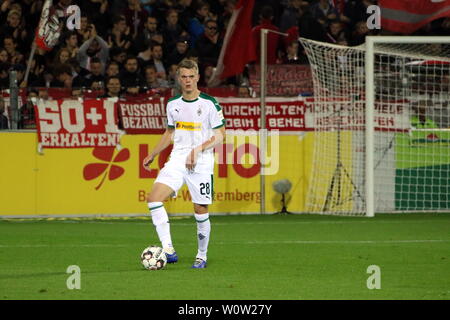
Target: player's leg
167,183
203,234
201,189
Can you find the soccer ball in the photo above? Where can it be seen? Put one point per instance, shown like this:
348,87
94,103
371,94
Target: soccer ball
153,258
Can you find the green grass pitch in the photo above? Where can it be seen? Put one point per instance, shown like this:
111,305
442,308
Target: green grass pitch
290,257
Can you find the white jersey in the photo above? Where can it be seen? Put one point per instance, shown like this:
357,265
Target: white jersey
194,121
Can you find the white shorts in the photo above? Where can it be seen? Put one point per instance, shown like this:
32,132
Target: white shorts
200,185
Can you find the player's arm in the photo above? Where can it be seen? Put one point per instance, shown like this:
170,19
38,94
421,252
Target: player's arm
217,138
163,143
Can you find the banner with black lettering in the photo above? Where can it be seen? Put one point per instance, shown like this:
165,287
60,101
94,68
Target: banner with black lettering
282,114
76,124
143,116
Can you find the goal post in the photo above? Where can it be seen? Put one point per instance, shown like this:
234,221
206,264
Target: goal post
371,154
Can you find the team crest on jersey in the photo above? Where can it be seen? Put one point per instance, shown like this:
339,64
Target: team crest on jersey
199,112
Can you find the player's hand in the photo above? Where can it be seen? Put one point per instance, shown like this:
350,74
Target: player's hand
191,160
147,161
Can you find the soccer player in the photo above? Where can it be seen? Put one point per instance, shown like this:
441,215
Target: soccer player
195,123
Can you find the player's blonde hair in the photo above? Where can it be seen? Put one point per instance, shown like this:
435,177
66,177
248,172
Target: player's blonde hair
187,64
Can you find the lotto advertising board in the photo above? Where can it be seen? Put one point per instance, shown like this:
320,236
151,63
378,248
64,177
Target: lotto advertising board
112,181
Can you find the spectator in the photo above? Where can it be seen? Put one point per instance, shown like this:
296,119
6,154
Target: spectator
118,55
112,69
4,56
95,79
77,93
273,39
4,123
356,10
323,12
244,92
84,32
292,54
310,28
71,43
185,12
209,44
43,94
37,68
113,88
61,6
26,113
135,17
20,73
10,45
171,29
145,38
172,76
43,80
147,6
15,28
78,73
158,60
94,47
62,77
130,78
181,50
4,75
196,27
206,74
359,34
117,6
151,78
337,33
119,36
62,56
98,12
158,38
227,12
145,56
291,15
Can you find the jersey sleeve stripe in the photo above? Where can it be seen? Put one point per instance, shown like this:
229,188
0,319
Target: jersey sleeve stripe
220,126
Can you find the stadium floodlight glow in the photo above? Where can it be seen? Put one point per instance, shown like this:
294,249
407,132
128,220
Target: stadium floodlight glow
282,187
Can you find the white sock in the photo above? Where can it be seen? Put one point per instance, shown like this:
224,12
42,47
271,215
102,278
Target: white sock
203,231
160,220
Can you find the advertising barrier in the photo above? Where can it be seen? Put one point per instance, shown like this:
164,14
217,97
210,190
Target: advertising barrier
112,181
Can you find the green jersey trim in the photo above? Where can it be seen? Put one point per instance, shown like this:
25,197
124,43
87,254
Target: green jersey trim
212,99
189,101
220,125
216,104
178,96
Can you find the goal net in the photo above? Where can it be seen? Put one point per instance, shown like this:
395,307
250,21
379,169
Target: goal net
394,154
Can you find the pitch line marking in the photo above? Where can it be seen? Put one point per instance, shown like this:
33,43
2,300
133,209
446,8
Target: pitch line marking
190,224
239,242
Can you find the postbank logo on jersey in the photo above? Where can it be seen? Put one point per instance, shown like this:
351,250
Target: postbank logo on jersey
190,126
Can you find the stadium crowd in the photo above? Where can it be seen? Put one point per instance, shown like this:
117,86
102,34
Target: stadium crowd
126,47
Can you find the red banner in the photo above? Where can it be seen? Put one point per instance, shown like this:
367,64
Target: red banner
94,123
406,16
143,116
285,80
75,124
283,115
149,116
